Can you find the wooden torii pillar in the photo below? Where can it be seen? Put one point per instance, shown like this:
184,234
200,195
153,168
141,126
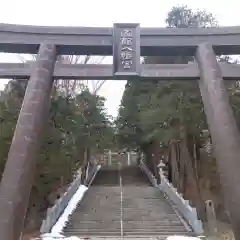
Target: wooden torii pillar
19,171
223,127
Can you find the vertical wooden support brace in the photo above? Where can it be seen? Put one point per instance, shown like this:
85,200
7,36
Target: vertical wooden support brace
19,171
223,128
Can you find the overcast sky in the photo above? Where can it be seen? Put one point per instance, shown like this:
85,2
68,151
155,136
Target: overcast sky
104,13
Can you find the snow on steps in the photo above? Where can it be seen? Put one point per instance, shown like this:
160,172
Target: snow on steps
50,236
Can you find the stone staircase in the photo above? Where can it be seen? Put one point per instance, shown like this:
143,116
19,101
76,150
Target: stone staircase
139,211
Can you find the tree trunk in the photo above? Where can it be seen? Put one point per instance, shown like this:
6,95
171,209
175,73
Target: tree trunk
182,170
193,189
173,161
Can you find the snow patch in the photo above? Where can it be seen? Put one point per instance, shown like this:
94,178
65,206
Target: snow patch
61,222
182,238
51,236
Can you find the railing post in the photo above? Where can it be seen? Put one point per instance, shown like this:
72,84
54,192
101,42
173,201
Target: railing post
86,174
211,217
109,157
19,171
128,158
161,165
223,129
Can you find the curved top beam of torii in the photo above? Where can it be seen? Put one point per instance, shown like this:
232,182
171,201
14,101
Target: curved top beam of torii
99,41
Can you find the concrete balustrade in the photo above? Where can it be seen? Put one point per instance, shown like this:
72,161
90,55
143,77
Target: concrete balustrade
188,212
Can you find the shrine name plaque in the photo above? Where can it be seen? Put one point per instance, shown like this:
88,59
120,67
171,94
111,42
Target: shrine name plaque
126,49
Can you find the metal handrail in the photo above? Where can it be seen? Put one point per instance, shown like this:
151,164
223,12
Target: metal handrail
150,176
94,175
121,201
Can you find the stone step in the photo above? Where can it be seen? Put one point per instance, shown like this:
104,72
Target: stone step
104,194
163,227
149,211
118,233
141,205
152,216
142,210
102,188
158,222
95,227
117,223
131,237
97,211
96,214
113,206
102,201
159,214
84,225
150,195
91,232
139,201
90,210
131,218
147,207
93,210
103,232
92,221
158,233
95,218
151,191
108,176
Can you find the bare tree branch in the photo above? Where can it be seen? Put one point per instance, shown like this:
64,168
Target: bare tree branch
73,87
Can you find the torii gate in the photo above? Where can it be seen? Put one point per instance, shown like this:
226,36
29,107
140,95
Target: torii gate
126,42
